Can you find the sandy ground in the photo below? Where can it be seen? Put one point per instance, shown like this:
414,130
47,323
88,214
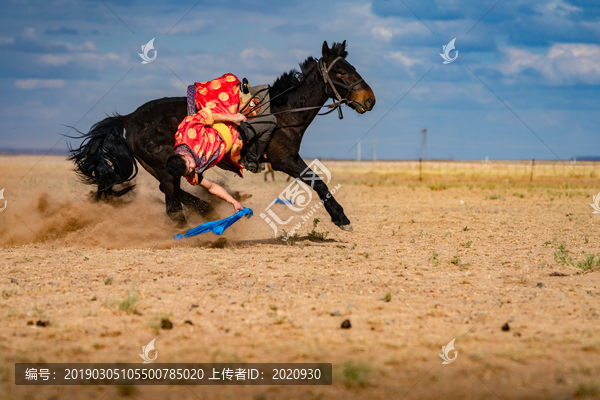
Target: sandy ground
450,257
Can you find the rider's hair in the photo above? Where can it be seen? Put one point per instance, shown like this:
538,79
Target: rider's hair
176,165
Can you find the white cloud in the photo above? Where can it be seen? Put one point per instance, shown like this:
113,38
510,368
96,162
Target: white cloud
196,25
386,29
28,84
402,59
557,7
382,33
86,46
6,40
564,63
300,54
60,53
253,54
87,59
261,60
359,19
30,33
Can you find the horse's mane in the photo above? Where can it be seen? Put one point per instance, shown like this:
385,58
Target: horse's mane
295,78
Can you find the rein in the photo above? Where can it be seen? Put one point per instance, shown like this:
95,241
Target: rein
332,106
342,101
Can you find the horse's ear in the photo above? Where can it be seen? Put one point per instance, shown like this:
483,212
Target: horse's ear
326,51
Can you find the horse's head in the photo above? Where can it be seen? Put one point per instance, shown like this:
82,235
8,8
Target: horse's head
341,77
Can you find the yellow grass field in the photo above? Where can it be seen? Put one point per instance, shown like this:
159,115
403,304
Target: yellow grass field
469,248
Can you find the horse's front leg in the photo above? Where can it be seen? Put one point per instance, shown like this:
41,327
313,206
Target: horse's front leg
334,208
296,168
173,201
200,206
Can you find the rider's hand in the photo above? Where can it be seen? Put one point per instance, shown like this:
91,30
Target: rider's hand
237,206
238,118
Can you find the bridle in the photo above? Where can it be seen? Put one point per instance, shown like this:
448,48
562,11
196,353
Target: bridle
341,101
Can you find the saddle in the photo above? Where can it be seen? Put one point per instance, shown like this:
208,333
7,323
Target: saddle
251,107
252,99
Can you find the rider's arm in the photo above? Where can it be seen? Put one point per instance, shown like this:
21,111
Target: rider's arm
211,117
218,191
235,118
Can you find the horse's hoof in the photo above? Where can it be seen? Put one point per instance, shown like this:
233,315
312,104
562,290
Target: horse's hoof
347,228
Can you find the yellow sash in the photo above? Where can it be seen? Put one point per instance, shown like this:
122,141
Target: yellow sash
225,135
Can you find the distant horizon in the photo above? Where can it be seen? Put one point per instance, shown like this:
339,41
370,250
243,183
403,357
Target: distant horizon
60,152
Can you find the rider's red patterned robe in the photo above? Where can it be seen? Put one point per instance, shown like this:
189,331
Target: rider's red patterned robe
200,134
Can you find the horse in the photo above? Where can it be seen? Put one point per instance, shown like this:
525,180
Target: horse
269,170
108,153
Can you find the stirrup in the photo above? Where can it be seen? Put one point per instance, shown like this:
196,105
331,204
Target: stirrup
255,168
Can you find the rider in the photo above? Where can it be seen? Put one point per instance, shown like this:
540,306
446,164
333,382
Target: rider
258,131
210,136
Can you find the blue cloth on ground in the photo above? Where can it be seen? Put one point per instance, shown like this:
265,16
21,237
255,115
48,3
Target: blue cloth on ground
217,227
285,201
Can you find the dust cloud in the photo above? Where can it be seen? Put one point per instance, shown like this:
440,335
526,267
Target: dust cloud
133,222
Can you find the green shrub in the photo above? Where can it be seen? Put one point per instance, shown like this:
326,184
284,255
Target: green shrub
316,236
356,375
561,255
437,186
589,263
129,304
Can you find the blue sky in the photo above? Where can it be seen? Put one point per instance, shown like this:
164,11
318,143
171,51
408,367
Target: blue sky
540,58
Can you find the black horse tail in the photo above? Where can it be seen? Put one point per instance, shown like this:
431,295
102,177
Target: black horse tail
103,157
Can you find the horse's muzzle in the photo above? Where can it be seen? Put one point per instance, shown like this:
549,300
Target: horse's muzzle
363,101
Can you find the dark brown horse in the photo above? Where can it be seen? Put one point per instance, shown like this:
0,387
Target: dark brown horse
107,156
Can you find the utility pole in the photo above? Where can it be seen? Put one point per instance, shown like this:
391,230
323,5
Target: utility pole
374,150
424,144
358,152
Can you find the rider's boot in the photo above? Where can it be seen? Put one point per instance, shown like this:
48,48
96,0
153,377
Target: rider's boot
255,151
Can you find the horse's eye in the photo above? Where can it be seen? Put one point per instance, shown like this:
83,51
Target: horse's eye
342,72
